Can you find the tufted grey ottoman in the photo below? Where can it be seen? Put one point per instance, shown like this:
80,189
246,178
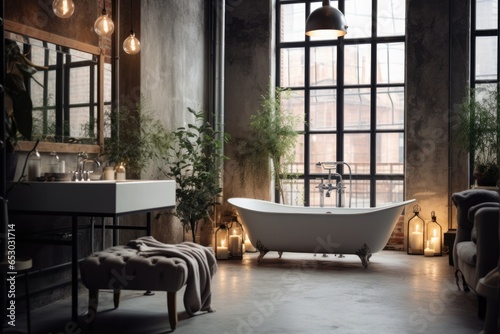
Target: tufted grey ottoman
120,267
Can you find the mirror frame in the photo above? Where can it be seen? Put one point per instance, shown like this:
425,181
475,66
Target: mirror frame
17,28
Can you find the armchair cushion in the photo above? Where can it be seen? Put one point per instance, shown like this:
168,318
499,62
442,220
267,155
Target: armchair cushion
463,201
472,213
467,252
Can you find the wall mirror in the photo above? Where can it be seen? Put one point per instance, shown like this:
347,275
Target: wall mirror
67,91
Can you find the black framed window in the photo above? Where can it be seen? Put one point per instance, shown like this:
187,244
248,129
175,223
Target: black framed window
350,92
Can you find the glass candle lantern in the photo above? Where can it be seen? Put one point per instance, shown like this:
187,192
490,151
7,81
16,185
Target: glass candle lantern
221,242
433,237
235,244
416,233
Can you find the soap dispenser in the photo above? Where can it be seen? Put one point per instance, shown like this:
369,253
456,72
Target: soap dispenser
120,171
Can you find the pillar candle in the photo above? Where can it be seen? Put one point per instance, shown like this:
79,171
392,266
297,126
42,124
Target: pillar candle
222,251
416,241
428,251
235,245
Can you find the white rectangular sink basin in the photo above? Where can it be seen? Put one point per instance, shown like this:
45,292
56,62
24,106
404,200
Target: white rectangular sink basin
92,197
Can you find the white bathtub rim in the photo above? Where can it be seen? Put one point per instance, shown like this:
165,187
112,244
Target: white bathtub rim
308,210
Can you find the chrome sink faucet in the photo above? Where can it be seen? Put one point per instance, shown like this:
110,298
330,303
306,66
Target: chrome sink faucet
81,174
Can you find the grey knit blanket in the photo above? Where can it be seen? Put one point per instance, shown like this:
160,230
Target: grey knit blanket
201,263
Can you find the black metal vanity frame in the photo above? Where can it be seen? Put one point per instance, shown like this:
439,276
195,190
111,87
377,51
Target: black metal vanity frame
73,241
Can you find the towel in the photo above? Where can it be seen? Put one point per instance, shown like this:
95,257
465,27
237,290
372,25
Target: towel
201,264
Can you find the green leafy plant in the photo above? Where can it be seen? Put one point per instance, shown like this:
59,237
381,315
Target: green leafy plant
479,130
195,162
136,137
269,148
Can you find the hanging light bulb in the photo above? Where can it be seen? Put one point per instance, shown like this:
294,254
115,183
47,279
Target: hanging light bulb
104,26
63,8
131,45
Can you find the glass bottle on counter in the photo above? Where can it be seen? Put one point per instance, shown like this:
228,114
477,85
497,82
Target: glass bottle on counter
53,163
34,165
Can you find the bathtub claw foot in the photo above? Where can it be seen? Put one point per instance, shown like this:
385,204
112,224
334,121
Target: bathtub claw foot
364,254
262,250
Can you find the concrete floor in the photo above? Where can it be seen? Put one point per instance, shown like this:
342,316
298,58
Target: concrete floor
299,293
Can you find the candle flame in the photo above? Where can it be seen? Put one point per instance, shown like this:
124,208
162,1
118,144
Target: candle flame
416,229
434,232
234,232
222,243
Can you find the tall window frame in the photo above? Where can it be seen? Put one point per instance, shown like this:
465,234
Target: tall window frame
484,55
353,132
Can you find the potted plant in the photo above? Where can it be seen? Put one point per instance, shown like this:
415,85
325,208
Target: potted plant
479,131
195,162
269,147
136,137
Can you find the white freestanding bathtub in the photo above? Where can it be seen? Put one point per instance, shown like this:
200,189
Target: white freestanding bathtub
326,230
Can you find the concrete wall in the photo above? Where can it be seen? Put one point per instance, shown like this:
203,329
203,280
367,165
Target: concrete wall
248,73
436,74
173,78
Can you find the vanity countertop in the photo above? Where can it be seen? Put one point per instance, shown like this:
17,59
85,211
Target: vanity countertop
92,197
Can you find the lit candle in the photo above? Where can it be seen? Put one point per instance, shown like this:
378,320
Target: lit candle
235,244
435,242
428,251
222,251
416,240
248,245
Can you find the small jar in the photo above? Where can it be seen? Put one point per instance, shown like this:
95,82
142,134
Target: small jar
120,172
34,165
109,173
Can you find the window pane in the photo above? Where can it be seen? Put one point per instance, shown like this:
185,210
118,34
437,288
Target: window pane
107,82
486,58
358,16
390,153
357,152
390,63
293,23
323,66
80,85
298,165
389,191
294,104
44,124
357,64
357,109
391,18
360,193
486,14
323,147
294,192
390,108
292,67
80,117
323,109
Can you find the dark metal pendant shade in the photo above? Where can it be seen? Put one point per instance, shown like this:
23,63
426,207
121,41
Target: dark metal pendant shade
326,21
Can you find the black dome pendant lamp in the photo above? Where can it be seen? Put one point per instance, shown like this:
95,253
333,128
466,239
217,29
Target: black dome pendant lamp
326,21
